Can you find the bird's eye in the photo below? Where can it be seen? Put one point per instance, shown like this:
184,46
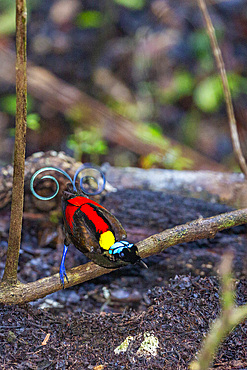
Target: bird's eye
121,254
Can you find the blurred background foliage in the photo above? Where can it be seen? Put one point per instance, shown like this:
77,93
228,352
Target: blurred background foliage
148,60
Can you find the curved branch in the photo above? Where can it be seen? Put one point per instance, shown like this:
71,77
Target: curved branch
197,229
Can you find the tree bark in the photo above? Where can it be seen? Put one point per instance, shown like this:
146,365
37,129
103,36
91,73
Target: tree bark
10,272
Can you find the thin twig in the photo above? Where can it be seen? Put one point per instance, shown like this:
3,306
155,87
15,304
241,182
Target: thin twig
222,71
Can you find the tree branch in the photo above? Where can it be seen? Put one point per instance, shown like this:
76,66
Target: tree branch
10,272
197,229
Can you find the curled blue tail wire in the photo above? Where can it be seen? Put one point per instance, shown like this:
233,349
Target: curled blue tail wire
48,177
83,167
88,166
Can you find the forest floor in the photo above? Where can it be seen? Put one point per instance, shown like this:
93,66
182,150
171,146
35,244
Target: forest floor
170,305
174,324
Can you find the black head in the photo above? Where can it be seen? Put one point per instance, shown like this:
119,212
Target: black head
127,252
130,254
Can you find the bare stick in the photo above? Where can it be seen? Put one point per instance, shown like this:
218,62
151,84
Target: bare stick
230,317
10,273
197,229
226,89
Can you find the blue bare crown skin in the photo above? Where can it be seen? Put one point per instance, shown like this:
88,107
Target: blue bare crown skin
62,270
118,247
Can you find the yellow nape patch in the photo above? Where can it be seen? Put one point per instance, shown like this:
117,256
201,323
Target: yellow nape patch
106,240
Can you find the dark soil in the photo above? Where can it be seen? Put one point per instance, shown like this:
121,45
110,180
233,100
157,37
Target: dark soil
175,300
179,315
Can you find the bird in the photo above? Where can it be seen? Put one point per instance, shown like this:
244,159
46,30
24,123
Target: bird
90,227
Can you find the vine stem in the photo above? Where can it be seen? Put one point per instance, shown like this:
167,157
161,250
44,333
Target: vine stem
10,272
227,94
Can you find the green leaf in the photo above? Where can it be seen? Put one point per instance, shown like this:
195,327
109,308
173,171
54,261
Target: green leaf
200,43
8,104
208,94
151,133
33,121
7,22
182,85
183,82
133,4
89,19
87,141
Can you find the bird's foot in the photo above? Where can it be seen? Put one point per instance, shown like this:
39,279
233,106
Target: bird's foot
62,273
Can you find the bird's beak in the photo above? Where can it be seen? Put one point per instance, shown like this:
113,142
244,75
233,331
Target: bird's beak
143,264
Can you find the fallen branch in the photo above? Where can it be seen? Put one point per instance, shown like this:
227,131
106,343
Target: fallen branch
227,188
197,229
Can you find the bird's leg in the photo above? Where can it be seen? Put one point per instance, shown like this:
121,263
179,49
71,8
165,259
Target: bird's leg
62,270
